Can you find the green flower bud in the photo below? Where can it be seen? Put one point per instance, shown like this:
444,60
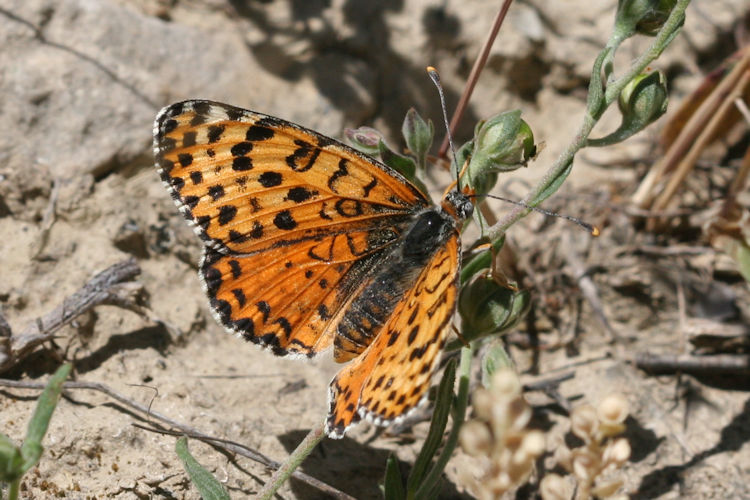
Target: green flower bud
487,307
642,16
418,134
641,103
501,144
364,139
644,99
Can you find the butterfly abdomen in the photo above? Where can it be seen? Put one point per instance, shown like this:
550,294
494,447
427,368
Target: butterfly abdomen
371,309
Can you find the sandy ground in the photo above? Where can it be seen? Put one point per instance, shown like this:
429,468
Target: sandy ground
81,81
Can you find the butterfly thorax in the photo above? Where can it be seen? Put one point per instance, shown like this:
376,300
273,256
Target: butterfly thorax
429,230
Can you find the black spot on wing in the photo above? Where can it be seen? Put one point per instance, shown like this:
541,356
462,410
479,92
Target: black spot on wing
323,312
189,139
236,269
246,328
264,308
413,334
240,296
270,179
216,191
304,156
214,133
299,194
369,187
242,163
237,237
226,214
259,133
341,172
241,148
284,324
284,220
169,126
185,159
257,230
234,114
177,183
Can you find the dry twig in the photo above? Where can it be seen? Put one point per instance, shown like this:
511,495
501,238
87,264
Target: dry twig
719,364
113,286
230,446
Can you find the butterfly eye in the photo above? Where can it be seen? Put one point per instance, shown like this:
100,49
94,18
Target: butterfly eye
465,209
458,205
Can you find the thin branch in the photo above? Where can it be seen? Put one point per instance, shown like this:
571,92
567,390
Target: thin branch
474,76
564,161
719,364
184,429
112,286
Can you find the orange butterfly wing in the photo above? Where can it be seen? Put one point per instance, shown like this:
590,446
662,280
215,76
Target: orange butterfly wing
294,222
299,231
393,374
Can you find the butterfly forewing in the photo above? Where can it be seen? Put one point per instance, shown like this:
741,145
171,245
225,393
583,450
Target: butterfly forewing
250,182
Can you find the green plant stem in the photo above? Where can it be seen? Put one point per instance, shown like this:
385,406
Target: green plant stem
13,489
612,91
283,473
459,414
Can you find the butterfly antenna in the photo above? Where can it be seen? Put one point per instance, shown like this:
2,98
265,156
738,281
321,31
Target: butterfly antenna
435,77
589,227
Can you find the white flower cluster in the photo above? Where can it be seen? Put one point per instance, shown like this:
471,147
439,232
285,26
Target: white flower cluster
499,439
593,465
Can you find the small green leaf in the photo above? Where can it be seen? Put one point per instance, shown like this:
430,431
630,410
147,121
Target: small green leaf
418,135
481,261
208,486
641,102
443,405
11,460
595,105
553,186
488,307
401,164
31,449
643,16
503,143
393,486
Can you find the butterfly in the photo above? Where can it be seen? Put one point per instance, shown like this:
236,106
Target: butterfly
309,244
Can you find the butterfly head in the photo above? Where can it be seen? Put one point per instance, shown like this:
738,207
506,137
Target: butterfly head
458,205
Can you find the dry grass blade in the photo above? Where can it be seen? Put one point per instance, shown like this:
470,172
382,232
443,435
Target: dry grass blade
687,138
476,70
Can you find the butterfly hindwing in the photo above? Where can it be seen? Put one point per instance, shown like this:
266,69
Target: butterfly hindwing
393,374
290,298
